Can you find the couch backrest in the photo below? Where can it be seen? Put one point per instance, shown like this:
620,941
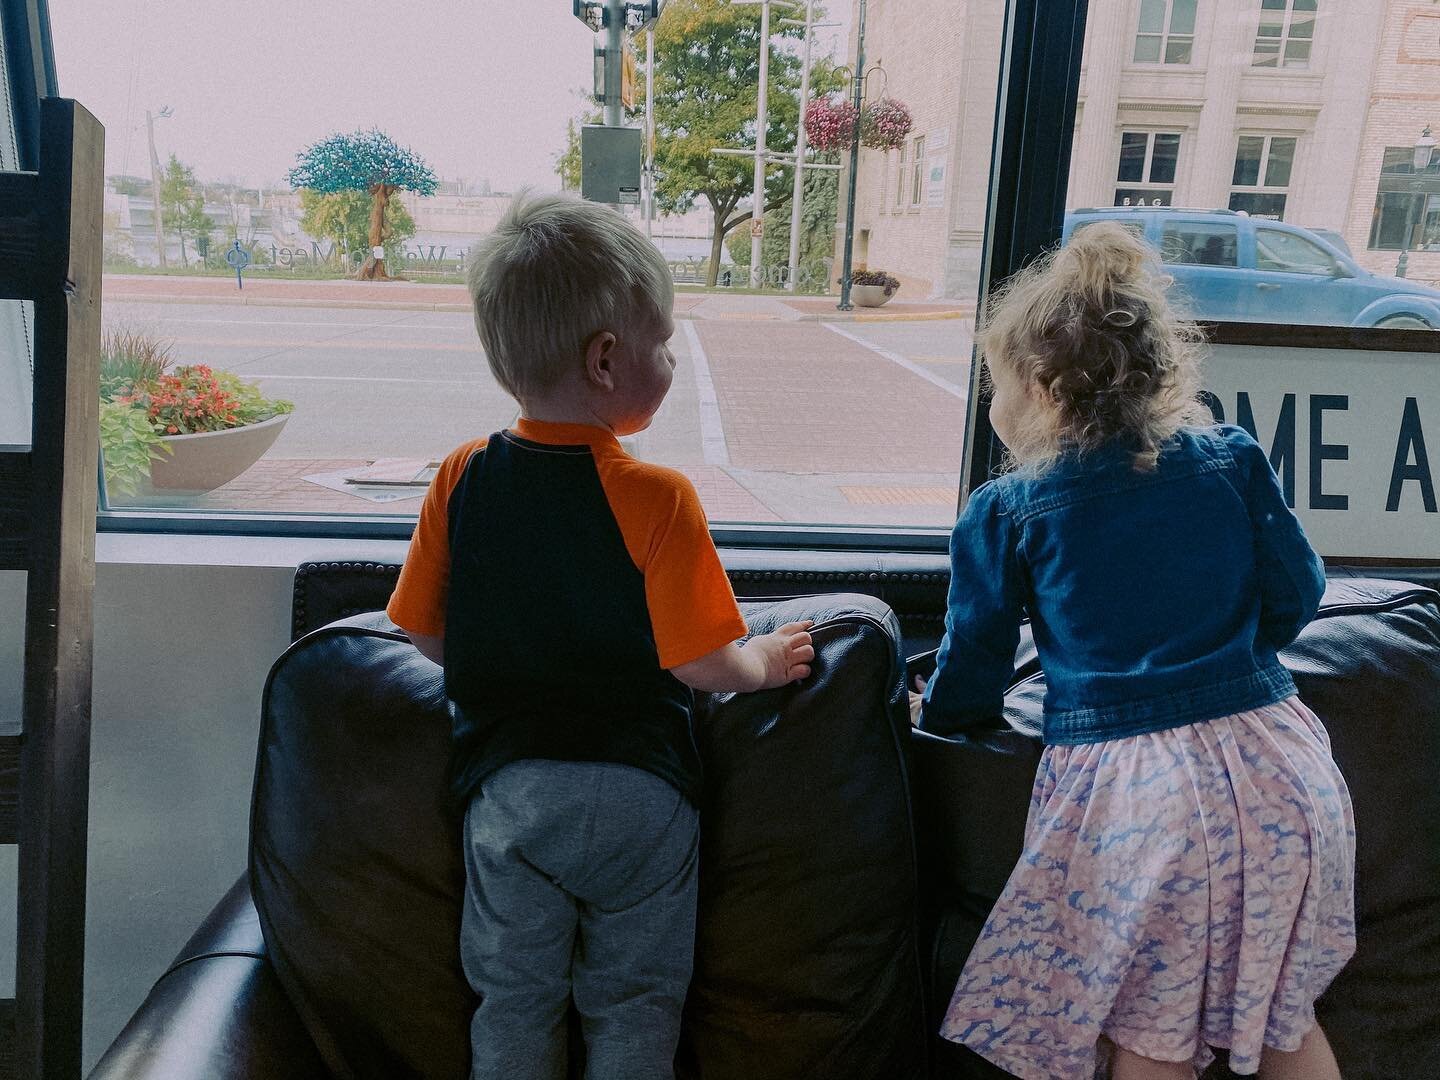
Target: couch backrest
806,955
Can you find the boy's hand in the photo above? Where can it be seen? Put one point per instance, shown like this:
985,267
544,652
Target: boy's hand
786,652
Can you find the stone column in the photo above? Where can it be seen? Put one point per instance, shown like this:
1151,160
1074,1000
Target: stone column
1109,44
1228,48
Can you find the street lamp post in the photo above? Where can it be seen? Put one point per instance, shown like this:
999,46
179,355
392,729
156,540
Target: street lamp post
1424,150
757,196
857,99
649,129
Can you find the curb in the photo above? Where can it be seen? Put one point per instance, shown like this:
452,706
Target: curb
411,305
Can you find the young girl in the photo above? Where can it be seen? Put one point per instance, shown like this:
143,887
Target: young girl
1187,878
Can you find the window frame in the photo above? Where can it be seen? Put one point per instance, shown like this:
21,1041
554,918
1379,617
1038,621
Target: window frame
1145,183
1165,37
1282,45
1261,187
917,172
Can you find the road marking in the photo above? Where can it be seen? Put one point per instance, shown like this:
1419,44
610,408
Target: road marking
896,358
712,430
369,378
325,343
898,495
325,324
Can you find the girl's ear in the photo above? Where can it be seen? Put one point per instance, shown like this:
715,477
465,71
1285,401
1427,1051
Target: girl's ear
600,355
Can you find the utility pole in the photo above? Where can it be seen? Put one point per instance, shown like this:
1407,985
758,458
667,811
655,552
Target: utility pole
800,142
649,128
150,118
762,103
858,99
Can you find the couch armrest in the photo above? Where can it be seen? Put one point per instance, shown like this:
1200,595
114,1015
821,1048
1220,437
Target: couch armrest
218,1013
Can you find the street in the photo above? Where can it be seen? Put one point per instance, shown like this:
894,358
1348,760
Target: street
774,417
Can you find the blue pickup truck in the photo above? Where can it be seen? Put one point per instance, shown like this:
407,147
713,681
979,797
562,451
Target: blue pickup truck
1233,268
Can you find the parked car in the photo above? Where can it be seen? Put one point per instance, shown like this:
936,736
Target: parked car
1234,268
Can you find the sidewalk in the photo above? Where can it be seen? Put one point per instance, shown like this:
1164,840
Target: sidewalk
414,296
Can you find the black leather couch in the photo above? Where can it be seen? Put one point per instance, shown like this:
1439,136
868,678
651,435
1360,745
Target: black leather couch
847,863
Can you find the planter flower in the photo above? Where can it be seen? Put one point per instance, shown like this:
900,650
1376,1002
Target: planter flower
885,124
182,431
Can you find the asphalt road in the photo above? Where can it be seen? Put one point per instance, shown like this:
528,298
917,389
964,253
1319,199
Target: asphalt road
828,423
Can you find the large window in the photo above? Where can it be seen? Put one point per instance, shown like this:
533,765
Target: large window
1166,33
1262,175
1286,33
1407,203
784,410
1146,176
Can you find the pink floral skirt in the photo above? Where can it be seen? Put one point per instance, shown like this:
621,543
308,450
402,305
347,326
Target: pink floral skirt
1179,890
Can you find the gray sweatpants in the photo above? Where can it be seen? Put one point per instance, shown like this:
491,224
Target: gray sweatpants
580,881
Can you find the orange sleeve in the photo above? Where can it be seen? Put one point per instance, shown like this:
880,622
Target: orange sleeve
692,606
418,602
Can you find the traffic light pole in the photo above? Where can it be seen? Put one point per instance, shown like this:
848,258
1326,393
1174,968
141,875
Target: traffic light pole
614,61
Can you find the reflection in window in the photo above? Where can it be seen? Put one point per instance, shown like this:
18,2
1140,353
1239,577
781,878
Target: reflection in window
1407,204
1289,253
1148,161
1286,32
1263,164
1199,244
1166,32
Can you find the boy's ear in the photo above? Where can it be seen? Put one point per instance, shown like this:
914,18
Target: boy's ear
600,355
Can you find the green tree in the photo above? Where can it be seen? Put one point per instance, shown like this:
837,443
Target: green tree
819,206
707,73
343,217
369,162
183,205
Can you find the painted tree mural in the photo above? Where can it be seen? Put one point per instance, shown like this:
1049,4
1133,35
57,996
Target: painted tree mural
368,161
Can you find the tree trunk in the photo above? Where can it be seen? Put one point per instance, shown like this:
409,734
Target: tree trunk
717,246
373,269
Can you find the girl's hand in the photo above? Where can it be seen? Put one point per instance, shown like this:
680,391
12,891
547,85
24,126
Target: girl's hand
917,700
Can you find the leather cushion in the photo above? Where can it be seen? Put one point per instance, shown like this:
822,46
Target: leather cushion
806,954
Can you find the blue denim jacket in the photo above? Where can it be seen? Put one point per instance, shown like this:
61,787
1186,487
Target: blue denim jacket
1157,599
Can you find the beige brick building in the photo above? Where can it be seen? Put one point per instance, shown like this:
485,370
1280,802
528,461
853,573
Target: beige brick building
1306,110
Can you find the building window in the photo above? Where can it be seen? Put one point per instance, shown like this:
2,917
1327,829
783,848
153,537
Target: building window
917,172
1407,204
1287,29
1263,164
1146,176
1166,33
901,176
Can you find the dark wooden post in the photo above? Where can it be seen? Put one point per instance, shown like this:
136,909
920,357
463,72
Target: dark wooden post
50,252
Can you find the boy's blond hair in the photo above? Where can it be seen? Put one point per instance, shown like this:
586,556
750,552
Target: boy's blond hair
556,271
1090,332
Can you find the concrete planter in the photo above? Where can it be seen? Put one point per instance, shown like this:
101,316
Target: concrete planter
870,295
204,461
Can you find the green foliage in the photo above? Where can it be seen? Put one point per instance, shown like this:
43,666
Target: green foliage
360,161
344,218
128,444
182,203
817,232
130,360
706,84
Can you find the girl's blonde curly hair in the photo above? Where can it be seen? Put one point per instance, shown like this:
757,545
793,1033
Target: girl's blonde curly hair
1088,331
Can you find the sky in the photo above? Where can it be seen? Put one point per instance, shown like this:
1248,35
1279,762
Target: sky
478,88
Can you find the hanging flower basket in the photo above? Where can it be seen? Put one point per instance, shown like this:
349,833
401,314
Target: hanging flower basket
885,124
829,123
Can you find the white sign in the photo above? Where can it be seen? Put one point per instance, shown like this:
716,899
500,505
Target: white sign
938,139
1353,435
935,181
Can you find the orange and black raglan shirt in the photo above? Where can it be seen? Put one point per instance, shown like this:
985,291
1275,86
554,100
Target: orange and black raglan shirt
567,579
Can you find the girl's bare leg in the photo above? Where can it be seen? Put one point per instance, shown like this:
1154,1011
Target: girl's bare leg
1313,1061
1128,1066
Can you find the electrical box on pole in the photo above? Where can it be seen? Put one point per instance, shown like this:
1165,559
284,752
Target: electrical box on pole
610,164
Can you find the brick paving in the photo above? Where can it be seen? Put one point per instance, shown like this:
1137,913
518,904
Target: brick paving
795,397
278,486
